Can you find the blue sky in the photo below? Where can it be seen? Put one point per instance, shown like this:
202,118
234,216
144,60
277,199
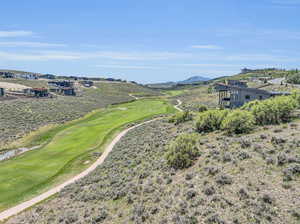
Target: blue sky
149,41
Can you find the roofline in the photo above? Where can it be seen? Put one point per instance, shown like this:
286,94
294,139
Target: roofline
261,91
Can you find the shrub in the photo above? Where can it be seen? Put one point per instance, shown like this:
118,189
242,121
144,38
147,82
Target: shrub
296,96
181,117
250,105
201,108
272,111
294,78
182,151
210,120
238,122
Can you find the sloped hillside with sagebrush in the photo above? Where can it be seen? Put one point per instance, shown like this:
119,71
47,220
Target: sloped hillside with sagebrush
239,179
21,116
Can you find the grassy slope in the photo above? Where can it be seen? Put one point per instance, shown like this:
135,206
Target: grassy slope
29,83
135,184
173,93
26,175
21,116
260,73
199,95
17,71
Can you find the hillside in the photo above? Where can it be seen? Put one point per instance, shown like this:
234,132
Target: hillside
194,79
193,167
259,73
135,184
19,71
21,116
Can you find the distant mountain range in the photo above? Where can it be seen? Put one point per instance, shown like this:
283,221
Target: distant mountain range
191,80
194,79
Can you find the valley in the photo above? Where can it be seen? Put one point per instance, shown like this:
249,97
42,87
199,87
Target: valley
68,149
195,165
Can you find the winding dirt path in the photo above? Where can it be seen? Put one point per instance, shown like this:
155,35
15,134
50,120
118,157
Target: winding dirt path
179,102
135,97
27,204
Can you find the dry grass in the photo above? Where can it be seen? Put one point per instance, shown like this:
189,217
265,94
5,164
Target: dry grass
239,179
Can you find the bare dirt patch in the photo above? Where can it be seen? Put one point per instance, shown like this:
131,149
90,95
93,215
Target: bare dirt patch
13,86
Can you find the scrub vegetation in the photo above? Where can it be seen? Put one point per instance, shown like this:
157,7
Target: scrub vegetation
232,179
21,116
203,165
34,171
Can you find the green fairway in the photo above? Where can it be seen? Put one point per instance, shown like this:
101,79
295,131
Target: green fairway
33,172
174,92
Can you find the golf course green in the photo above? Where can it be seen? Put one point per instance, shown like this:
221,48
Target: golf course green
69,149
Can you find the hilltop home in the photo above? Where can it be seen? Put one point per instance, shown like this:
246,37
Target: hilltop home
27,76
39,92
233,96
87,83
47,76
61,83
67,91
7,74
239,83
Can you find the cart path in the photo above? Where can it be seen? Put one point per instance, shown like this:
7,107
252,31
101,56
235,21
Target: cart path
179,102
135,97
27,204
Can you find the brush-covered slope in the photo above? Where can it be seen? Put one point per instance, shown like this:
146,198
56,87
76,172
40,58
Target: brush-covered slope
241,179
21,116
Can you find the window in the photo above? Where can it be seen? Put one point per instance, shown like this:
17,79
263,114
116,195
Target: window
247,97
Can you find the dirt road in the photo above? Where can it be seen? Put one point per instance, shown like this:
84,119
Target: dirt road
179,102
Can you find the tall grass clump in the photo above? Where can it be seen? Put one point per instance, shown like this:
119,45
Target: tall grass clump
202,108
210,120
181,117
183,151
238,122
296,96
294,78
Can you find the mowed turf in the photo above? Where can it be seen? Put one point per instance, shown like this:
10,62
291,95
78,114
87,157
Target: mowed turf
26,175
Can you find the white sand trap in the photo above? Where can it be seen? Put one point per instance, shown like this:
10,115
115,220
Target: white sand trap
13,86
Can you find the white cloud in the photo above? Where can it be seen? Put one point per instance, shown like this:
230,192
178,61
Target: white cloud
68,55
210,65
138,55
36,56
260,57
15,33
29,44
208,47
127,66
